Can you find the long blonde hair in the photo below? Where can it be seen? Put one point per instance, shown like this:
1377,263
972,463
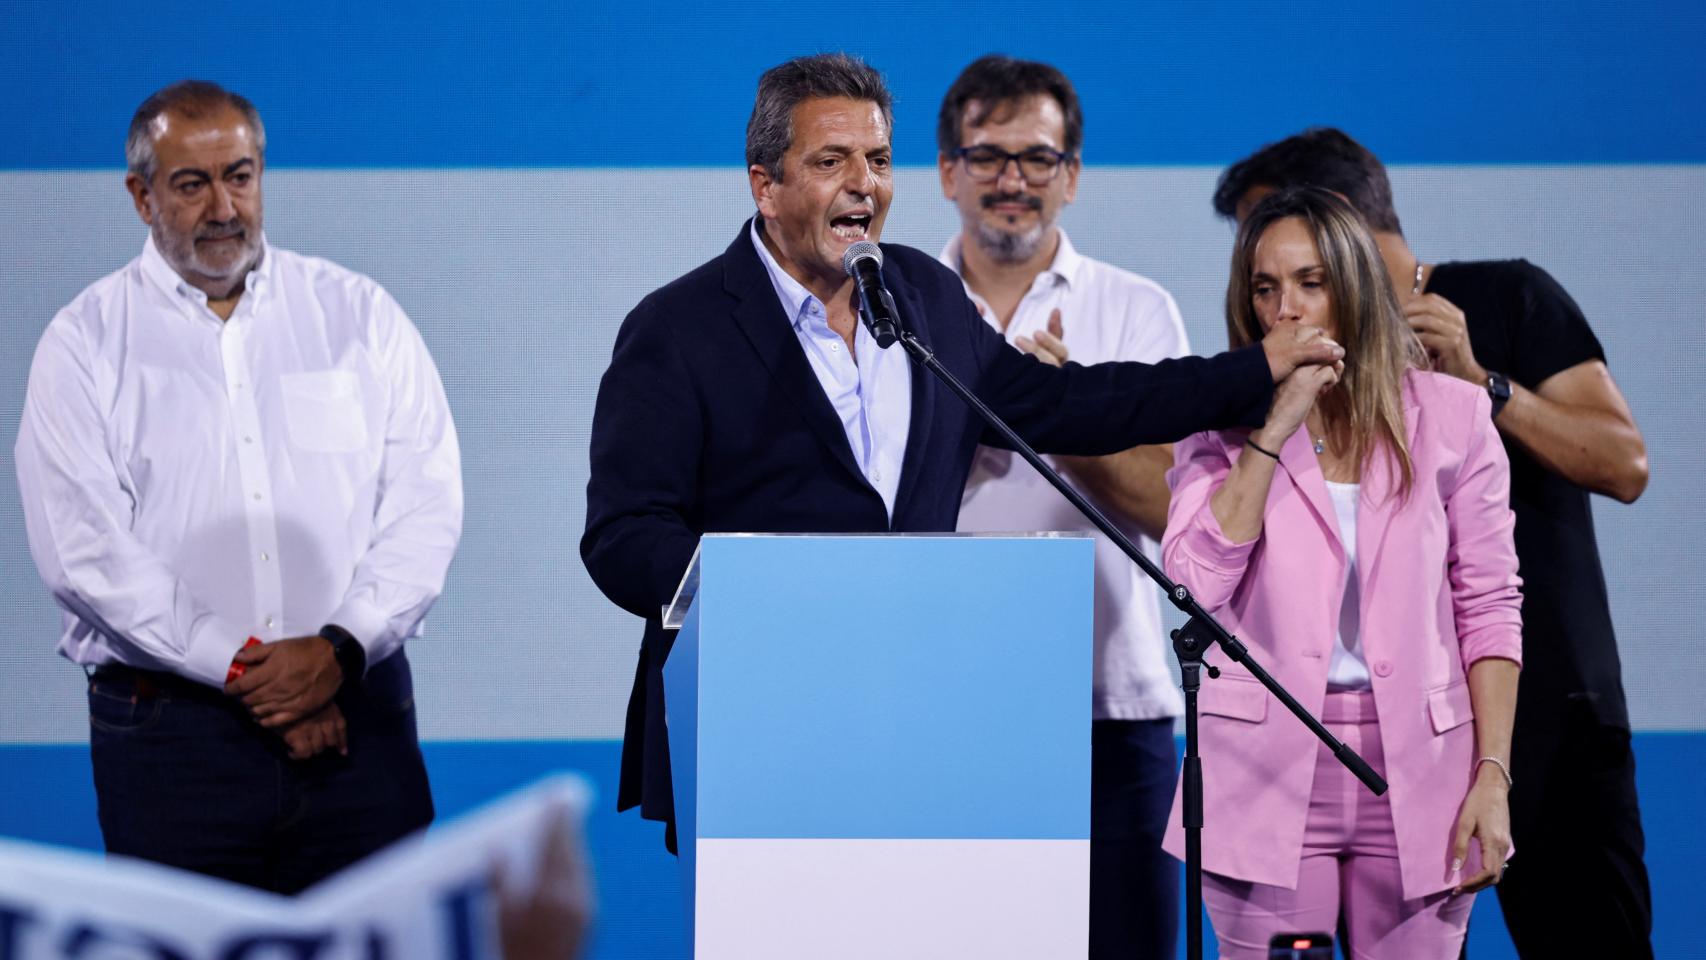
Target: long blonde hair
1366,408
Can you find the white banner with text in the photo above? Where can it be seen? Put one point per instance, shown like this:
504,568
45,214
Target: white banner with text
509,880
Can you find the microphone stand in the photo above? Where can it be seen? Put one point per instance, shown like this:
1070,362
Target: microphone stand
1190,642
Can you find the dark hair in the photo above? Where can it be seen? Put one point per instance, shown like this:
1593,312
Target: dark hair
1322,157
995,80
770,130
193,99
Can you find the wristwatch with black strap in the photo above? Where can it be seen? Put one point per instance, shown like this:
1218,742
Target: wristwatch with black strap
1499,389
351,656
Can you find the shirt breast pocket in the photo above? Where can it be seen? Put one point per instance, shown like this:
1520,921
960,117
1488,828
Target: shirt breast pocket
324,412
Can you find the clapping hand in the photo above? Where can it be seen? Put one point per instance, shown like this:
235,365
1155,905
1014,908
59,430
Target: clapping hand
1048,345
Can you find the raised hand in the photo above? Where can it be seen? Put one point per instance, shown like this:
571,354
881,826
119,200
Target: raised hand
1293,399
1047,345
1445,333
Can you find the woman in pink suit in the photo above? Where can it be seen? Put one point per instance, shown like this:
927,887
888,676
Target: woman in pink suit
1367,560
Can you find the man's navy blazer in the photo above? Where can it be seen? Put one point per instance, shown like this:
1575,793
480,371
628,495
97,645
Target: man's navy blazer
710,419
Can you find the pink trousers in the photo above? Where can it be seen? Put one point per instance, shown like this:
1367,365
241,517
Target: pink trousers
1350,867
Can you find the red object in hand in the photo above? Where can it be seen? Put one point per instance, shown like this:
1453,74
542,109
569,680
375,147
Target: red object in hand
238,669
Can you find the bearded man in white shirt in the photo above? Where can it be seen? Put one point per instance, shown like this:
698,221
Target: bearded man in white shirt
1009,134
242,485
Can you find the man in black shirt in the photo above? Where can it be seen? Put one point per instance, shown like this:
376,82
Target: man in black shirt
1507,325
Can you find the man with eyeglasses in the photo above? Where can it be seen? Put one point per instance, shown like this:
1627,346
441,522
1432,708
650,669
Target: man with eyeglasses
1009,132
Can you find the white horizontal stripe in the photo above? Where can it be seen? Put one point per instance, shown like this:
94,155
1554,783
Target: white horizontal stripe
895,899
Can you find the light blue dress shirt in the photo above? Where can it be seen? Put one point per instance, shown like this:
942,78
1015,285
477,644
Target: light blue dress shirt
871,391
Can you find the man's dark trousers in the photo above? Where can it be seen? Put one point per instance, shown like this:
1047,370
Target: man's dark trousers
1134,884
186,778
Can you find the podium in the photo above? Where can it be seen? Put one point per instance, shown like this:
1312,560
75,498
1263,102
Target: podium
880,746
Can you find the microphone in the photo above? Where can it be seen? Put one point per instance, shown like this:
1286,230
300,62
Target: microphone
863,261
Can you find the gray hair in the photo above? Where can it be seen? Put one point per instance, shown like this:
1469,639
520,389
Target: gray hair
193,99
770,131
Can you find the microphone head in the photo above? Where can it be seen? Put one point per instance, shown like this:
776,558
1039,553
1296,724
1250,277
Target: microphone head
863,250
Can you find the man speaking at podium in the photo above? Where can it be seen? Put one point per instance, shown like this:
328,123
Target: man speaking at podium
746,396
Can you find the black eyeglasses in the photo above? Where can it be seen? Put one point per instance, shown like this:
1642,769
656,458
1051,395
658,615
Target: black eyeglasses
1038,165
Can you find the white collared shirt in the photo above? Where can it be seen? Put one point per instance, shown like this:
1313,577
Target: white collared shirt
1106,314
188,482
872,397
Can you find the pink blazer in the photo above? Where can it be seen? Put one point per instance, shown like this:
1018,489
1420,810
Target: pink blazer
1439,587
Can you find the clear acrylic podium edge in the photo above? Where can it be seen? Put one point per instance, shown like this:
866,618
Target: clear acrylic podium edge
675,614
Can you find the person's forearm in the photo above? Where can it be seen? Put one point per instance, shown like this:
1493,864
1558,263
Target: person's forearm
637,561
79,519
1586,445
418,524
1492,695
1239,503
1485,812
1132,484
1136,403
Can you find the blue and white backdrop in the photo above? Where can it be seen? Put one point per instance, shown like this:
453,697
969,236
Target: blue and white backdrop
520,174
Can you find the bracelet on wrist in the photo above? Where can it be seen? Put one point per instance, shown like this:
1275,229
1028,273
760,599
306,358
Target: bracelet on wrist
1495,761
236,669
1264,451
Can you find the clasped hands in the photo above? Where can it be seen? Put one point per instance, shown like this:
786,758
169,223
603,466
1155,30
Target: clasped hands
1305,363
288,685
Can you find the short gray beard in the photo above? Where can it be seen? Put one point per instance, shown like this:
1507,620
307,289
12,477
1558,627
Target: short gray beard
1004,247
180,253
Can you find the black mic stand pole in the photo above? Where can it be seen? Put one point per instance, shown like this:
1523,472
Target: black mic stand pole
1190,642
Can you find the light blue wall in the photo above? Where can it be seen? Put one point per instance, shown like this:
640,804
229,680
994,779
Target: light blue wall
519,278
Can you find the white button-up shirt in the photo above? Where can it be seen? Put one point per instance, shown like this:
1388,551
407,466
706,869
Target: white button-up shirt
1106,314
872,397
189,482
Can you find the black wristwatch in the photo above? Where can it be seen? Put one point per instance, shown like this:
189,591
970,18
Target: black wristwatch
351,656
1499,389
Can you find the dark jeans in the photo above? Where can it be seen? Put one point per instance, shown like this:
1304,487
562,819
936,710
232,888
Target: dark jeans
185,778
1134,884
1577,886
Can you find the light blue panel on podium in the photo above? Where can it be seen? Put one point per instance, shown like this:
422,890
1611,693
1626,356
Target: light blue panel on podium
881,688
